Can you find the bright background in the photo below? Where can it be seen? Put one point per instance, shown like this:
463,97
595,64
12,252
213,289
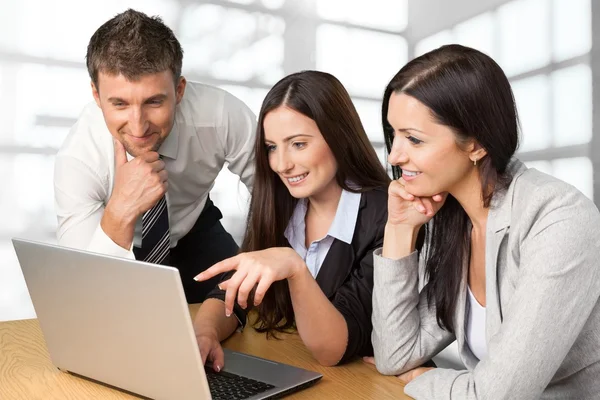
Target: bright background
546,47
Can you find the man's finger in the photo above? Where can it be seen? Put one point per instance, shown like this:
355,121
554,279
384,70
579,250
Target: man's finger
150,156
157,166
163,175
120,154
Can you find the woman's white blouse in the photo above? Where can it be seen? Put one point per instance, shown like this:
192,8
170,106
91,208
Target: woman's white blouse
475,322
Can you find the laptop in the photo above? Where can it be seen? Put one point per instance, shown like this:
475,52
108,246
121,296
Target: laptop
126,324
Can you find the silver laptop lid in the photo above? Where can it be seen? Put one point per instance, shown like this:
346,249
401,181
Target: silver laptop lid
109,319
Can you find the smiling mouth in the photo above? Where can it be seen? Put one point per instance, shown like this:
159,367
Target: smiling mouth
297,179
410,174
142,139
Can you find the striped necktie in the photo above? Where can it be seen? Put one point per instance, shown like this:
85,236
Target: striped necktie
156,239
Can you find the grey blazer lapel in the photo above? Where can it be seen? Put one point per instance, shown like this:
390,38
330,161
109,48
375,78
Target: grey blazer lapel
498,228
492,296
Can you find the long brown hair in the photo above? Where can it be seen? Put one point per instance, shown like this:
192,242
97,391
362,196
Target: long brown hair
322,98
468,92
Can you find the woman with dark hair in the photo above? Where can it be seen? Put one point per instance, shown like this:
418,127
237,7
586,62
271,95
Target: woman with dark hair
510,261
317,212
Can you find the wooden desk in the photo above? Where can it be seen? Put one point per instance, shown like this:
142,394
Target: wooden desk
26,371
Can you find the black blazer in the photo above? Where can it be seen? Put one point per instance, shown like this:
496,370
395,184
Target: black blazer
346,275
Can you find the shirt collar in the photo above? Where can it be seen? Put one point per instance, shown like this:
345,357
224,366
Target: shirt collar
169,147
295,232
342,227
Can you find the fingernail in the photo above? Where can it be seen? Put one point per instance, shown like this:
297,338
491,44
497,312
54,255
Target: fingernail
219,286
227,313
218,368
197,277
421,208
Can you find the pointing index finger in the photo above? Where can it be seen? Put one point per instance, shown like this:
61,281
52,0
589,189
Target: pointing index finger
220,267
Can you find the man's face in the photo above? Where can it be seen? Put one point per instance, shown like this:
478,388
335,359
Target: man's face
139,114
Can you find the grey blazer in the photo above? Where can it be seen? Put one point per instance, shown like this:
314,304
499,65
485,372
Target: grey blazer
542,300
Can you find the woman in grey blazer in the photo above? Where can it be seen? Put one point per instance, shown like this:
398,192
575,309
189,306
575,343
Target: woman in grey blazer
510,260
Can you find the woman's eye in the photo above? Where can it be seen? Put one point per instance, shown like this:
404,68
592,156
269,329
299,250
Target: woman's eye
299,145
414,140
270,148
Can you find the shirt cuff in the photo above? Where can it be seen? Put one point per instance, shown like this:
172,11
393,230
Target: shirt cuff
103,244
381,260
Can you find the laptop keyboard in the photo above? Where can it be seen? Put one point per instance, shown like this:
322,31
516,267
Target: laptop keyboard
226,386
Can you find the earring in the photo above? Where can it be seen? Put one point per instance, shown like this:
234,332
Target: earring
475,162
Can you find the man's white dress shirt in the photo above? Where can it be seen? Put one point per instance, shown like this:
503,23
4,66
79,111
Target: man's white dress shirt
212,127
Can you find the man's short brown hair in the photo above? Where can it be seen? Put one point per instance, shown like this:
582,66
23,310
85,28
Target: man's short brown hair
133,44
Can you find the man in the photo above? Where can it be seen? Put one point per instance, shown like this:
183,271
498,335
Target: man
133,176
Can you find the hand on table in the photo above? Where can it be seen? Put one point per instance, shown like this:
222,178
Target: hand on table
408,375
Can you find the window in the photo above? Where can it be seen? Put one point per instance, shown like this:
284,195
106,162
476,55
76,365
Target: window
572,24
577,171
572,94
434,41
362,60
382,14
479,33
551,81
232,44
524,45
532,96
253,97
370,116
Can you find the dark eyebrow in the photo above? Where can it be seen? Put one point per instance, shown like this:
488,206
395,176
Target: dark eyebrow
116,100
287,139
156,97
160,96
408,130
